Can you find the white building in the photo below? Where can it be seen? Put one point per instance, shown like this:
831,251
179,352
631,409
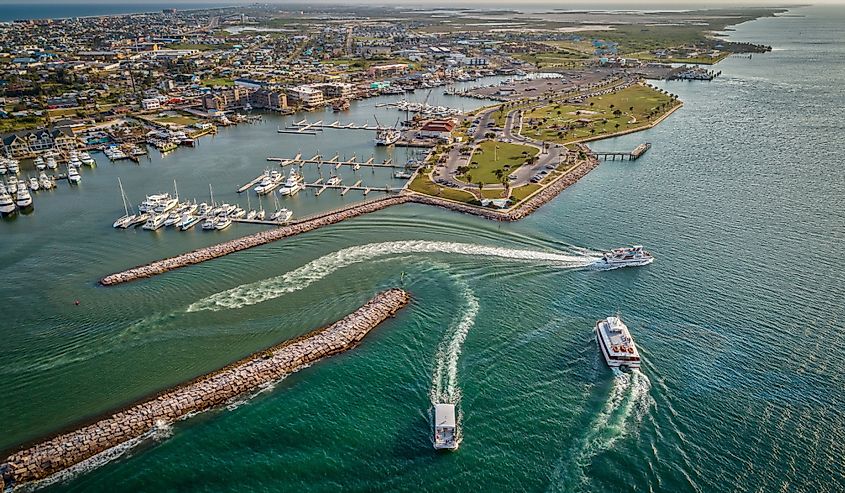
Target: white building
306,96
150,104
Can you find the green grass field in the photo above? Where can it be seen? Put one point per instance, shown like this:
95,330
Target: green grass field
487,158
218,81
520,193
423,184
633,107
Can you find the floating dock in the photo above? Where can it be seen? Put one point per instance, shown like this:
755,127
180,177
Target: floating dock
246,376
335,161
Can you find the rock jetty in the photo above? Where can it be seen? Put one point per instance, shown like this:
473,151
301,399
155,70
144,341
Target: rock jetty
242,377
261,238
528,206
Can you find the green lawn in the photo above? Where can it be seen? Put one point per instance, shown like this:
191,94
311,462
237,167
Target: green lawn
218,81
177,120
490,156
423,184
520,193
634,107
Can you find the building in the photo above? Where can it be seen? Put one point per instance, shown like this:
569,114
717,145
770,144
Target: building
306,96
335,90
437,129
269,99
150,104
226,98
391,69
30,142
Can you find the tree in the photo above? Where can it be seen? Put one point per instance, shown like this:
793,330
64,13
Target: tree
480,185
617,126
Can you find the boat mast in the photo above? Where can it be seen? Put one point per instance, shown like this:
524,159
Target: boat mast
123,196
211,192
175,189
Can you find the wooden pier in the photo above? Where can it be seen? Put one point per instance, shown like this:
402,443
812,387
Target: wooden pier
631,156
335,161
251,183
322,187
318,126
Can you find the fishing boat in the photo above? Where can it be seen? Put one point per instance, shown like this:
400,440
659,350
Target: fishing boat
616,344
445,427
625,257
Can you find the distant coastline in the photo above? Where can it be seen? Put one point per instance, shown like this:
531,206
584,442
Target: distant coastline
22,11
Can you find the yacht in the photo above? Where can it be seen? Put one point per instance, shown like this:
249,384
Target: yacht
73,175
292,185
24,199
625,257
281,215
150,203
387,136
270,182
208,224
155,222
51,163
86,159
13,166
445,427
33,183
7,204
333,181
222,222
173,219
46,182
616,344
3,168
238,213
188,222
165,205
39,163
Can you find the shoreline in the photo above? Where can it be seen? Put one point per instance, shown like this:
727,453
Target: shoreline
62,451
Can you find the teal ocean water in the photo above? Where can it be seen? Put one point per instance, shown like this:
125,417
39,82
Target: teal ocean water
739,319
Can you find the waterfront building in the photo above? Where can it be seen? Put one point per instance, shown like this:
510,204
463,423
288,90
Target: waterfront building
31,142
306,96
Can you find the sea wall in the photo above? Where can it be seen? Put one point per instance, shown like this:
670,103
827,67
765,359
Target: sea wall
260,238
242,377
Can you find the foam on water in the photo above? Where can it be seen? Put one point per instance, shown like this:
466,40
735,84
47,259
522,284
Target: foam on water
295,280
626,405
444,382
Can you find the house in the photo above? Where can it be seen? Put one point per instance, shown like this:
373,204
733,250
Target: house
437,129
30,142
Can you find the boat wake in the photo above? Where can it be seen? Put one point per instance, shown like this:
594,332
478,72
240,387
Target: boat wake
628,402
295,280
444,382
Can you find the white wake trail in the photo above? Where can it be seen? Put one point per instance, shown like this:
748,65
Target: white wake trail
295,280
444,388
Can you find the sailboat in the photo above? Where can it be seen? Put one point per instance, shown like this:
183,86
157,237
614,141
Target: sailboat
127,219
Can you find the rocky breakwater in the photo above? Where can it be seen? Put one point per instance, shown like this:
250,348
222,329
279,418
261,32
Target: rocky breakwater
526,207
261,238
242,377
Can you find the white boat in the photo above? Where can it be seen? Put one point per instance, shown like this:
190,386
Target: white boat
73,175
39,163
24,199
155,222
173,219
149,204
251,214
86,159
3,168
33,183
126,219
616,344
13,166
46,182
75,162
7,204
292,185
387,136
625,257
281,215
238,213
222,222
208,224
270,182
51,163
260,214
333,181
445,427
188,222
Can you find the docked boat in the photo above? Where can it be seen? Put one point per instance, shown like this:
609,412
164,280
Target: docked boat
51,163
292,185
222,222
333,181
173,219
281,215
270,182
616,344
86,159
445,427
3,168
149,204
238,213
45,181
625,257
33,184
13,166
208,224
7,204
126,219
387,136
73,175
39,163
188,222
23,199
155,222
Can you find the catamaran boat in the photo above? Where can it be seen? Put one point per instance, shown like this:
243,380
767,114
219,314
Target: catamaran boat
33,183
73,175
7,204
155,222
445,428
626,257
292,185
39,163
281,215
24,199
616,344
387,136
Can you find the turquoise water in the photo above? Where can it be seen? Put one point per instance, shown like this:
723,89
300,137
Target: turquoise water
739,319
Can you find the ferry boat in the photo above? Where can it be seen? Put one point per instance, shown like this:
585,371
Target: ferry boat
625,257
387,136
616,344
445,429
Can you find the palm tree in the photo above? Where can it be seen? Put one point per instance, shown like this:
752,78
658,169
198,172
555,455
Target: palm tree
480,185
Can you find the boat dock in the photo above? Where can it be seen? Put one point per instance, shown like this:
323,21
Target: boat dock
304,126
631,156
252,183
322,187
334,161
137,421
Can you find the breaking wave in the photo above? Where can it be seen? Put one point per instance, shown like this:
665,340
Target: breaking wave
295,280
